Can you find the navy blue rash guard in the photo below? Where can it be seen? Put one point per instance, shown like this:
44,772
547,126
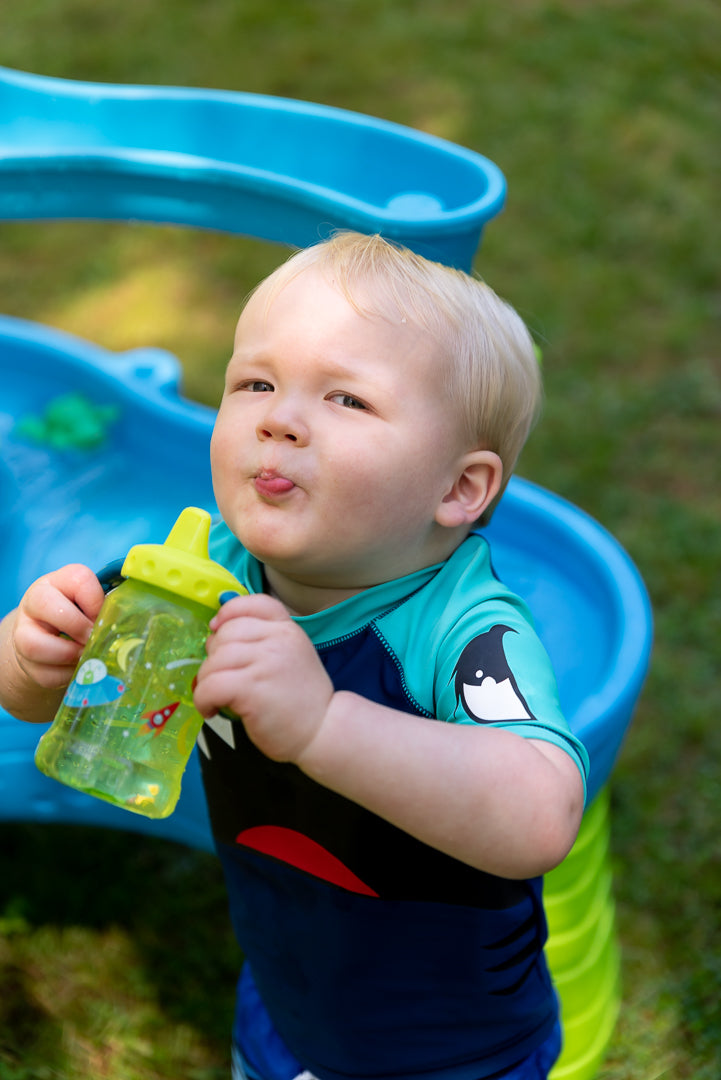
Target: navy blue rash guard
376,955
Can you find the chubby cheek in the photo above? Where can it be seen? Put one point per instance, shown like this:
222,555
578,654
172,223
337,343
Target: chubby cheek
379,500
224,454
219,436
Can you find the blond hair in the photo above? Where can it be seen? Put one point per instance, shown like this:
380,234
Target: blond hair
489,366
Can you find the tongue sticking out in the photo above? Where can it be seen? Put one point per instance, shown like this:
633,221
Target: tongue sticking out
273,485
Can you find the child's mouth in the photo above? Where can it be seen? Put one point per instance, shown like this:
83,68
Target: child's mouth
271,484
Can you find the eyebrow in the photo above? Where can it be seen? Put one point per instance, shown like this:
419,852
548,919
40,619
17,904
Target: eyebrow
333,369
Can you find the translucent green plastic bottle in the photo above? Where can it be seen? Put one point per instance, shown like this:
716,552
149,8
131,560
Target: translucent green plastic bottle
127,724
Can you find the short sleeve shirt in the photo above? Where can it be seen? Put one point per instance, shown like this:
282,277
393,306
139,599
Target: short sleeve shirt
375,954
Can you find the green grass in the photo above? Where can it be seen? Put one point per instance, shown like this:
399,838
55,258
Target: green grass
604,118
116,958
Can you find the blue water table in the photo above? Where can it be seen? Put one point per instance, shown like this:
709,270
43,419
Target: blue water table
76,419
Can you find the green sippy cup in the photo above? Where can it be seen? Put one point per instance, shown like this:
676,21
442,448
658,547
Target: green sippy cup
127,724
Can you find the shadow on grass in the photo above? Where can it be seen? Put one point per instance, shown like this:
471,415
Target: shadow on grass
116,955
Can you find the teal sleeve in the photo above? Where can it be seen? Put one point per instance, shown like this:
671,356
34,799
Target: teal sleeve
493,670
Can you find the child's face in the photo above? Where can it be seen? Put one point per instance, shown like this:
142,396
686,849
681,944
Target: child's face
334,443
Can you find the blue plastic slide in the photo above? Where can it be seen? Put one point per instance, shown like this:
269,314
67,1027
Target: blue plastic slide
281,170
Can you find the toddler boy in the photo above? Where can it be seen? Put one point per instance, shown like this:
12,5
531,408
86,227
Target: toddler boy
384,868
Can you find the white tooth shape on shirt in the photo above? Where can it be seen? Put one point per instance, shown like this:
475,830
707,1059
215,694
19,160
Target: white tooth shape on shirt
221,727
490,700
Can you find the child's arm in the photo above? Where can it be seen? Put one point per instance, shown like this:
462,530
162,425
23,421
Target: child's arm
41,641
502,803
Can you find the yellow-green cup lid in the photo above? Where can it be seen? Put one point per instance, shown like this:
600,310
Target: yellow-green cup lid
181,565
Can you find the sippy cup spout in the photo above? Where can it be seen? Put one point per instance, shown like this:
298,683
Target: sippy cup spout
181,565
190,532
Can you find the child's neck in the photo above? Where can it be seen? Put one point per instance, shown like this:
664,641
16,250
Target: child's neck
306,598
302,599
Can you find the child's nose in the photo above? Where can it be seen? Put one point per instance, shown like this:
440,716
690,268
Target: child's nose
283,421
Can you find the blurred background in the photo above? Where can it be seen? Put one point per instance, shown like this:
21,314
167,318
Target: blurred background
116,959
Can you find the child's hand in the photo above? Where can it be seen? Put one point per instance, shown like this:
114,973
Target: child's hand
263,666
64,602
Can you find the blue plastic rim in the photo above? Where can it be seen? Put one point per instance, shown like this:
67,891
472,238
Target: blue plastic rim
281,170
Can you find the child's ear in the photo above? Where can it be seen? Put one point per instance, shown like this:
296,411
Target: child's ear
477,484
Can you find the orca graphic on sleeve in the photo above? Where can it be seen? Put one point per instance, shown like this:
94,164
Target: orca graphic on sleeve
484,682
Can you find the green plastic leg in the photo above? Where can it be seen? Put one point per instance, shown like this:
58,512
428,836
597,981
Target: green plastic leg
583,951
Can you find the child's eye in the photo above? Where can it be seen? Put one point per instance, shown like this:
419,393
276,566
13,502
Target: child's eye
347,401
257,386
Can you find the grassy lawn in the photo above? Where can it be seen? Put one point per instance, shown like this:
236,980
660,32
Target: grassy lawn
116,960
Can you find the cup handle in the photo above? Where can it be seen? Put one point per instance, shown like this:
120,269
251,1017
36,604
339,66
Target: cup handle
111,575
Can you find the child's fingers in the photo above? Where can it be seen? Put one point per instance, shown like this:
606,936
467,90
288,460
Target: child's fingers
38,645
48,676
80,585
50,610
258,606
235,663
53,623
47,658
227,654
239,632
65,602
84,589
214,692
